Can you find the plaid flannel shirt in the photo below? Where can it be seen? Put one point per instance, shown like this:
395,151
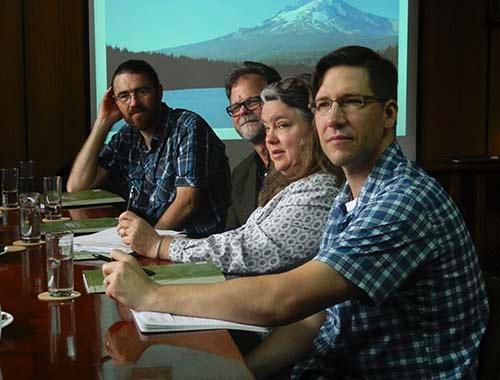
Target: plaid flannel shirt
185,152
425,309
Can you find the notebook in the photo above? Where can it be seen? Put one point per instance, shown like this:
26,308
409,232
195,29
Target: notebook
185,273
149,321
89,197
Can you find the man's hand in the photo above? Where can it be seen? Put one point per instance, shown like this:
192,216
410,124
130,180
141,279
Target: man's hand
126,282
138,234
108,113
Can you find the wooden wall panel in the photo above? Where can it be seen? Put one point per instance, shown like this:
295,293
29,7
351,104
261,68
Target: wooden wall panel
494,93
452,79
55,81
12,148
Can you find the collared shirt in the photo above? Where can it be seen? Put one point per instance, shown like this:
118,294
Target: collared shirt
425,309
185,152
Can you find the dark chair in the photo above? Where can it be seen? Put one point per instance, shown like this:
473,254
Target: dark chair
489,357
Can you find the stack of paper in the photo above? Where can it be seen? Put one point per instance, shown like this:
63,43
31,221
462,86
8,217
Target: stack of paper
106,240
149,321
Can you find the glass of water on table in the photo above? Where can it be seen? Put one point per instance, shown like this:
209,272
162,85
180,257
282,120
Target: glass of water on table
29,217
59,263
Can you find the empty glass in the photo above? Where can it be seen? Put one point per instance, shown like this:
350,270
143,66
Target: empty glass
52,193
26,176
10,187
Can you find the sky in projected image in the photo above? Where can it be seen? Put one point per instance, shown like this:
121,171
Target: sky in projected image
196,21
288,34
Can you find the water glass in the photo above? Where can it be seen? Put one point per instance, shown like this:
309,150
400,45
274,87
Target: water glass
59,263
52,193
10,187
26,176
29,217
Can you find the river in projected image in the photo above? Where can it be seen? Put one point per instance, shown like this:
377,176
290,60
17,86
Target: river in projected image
207,102
210,103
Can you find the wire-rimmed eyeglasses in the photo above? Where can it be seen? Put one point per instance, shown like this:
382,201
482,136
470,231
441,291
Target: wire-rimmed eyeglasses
346,103
139,93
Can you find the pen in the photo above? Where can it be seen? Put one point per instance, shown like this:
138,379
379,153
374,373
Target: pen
108,259
130,195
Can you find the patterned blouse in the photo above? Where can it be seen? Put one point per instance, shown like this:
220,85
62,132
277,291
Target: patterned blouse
283,234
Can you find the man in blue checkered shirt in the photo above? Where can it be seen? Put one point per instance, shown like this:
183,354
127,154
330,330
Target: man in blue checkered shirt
395,291
173,164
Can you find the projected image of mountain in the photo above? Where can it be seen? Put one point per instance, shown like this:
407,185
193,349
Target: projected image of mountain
299,34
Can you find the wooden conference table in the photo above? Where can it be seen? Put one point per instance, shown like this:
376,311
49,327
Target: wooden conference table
92,337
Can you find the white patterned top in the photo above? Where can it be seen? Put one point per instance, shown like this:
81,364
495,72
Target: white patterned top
283,234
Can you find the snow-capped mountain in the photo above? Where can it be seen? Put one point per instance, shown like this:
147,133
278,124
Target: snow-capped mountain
298,34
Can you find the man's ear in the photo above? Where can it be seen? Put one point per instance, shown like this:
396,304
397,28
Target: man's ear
390,113
160,92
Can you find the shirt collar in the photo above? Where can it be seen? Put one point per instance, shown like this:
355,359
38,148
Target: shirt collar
383,170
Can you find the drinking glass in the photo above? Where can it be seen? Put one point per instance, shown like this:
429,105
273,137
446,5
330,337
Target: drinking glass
59,263
26,176
10,187
52,193
29,217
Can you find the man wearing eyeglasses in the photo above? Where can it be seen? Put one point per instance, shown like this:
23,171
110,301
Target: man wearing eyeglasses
243,86
173,164
395,291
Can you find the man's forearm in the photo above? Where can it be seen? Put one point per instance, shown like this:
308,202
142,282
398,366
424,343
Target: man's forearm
216,301
285,346
181,209
84,174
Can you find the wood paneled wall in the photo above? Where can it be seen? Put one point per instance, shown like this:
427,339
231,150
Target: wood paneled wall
44,77
12,90
453,77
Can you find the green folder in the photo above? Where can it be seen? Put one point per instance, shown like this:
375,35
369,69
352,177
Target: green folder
89,197
80,226
185,273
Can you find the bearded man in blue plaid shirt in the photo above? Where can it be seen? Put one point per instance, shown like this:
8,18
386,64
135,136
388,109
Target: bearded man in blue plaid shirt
173,164
395,291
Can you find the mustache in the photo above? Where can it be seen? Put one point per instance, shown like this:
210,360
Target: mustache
137,109
249,118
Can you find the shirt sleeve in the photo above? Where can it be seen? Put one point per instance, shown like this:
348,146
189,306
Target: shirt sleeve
193,159
281,235
382,245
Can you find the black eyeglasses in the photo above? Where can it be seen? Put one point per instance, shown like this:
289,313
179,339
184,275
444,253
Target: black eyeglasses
347,103
250,104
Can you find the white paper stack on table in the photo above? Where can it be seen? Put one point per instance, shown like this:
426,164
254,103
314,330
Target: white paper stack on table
106,240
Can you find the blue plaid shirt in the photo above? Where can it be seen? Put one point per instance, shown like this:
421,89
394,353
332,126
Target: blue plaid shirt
425,309
185,152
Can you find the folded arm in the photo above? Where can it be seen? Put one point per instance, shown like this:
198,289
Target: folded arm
182,208
86,173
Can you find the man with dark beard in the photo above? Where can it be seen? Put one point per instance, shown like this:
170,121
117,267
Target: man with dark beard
243,86
174,165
